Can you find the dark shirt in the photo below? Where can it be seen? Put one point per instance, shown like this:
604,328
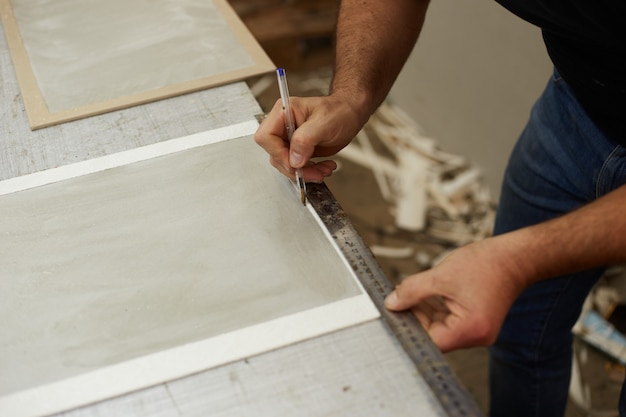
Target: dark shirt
586,40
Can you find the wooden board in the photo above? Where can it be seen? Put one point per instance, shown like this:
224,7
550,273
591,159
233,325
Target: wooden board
145,266
75,59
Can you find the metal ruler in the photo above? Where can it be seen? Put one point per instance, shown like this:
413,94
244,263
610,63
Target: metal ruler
430,363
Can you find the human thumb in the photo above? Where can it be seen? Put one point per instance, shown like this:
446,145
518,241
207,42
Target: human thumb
295,159
302,145
409,292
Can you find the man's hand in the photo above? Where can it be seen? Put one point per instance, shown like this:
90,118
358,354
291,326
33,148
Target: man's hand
324,126
462,302
373,40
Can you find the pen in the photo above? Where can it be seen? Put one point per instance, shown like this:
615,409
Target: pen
290,126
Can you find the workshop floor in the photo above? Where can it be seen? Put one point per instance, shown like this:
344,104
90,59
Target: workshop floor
356,190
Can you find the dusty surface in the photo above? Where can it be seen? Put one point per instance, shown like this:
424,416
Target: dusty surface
142,238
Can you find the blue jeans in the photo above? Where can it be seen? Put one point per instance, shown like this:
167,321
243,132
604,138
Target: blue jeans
560,162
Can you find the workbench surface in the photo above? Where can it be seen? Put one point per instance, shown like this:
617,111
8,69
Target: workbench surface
359,371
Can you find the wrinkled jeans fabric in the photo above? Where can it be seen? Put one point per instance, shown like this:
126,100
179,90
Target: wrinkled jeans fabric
560,162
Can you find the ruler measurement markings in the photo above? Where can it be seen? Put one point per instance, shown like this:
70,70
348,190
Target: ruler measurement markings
429,361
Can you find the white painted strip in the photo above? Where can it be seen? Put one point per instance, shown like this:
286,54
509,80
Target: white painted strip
181,361
143,153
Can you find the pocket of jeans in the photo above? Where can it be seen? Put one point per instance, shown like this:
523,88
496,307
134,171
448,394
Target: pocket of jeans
613,172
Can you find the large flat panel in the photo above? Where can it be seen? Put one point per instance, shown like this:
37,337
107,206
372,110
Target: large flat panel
141,267
79,58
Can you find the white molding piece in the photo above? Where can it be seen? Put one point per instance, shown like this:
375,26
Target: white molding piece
185,360
143,153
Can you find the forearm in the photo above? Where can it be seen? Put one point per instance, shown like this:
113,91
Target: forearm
590,237
374,39
479,282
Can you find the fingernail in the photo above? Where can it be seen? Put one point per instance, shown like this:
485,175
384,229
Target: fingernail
391,299
295,159
324,170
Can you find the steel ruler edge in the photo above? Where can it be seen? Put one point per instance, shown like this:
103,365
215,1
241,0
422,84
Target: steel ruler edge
429,361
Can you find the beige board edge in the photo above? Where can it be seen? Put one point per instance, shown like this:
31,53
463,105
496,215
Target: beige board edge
40,117
51,119
31,94
242,33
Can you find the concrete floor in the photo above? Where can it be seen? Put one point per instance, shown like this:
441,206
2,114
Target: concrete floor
356,190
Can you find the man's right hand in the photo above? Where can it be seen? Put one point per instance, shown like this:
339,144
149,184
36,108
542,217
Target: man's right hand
324,126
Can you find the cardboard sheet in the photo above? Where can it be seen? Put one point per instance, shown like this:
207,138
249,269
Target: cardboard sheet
137,268
79,58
